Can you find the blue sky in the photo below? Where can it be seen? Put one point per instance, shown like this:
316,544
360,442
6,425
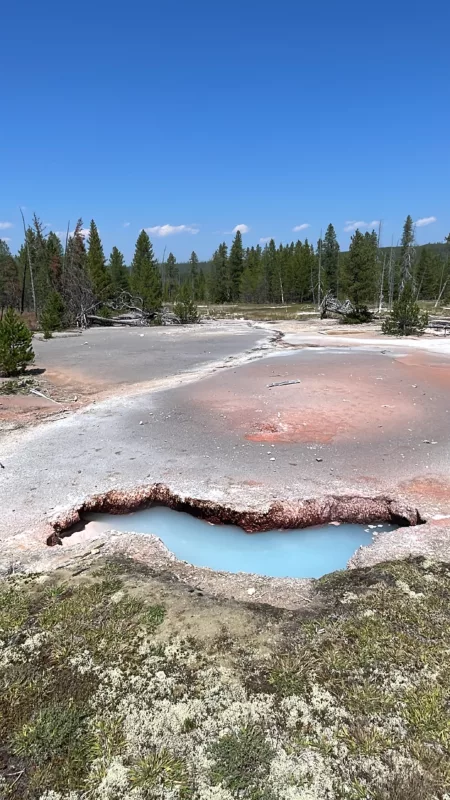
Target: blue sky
210,115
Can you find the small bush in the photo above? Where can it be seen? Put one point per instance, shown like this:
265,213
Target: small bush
406,318
16,351
105,312
184,307
52,315
358,316
242,760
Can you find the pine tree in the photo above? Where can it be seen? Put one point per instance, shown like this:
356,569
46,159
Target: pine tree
118,272
406,318
96,264
172,277
407,255
9,279
236,265
16,351
55,258
145,275
250,276
270,266
51,318
311,268
193,273
330,260
184,307
361,268
201,286
25,260
221,285
41,263
428,272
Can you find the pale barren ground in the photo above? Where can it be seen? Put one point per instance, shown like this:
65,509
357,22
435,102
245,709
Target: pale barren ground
123,680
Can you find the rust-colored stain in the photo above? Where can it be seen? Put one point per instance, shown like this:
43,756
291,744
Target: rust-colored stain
430,488
426,368
305,426
356,396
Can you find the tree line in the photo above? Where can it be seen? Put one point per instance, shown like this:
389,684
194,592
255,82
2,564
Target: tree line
57,281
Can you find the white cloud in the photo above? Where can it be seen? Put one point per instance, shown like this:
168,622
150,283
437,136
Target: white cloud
265,239
242,228
301,227
420,223
168,230
5,239
5,225
353,225
126,224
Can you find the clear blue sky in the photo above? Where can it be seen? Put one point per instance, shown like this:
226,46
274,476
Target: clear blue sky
210,114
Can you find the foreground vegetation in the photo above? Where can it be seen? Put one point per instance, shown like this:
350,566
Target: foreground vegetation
116,683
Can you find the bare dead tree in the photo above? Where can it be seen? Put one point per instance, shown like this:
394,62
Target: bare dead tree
128,310
65,248
380,304
391,274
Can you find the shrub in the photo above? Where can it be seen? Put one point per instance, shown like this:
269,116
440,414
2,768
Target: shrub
52,315
242,761
406,318
184,307
15,344
357,316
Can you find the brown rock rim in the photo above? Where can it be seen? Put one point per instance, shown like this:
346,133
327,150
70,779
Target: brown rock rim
284,514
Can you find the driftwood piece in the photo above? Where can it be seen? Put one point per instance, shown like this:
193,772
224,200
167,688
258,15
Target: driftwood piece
281,383
331,305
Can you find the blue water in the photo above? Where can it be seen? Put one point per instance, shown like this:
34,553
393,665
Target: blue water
307,553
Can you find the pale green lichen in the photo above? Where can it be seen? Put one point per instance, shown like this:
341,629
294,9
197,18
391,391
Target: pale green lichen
101,700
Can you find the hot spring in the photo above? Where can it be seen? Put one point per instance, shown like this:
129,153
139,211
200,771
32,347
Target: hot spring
298,553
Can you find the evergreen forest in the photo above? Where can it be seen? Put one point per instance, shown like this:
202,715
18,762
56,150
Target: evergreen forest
57,280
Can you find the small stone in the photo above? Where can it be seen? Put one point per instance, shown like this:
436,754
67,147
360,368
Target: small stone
271,459
141,422
251,591
319,459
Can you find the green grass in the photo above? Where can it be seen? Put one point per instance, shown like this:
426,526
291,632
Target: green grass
119,684
259,312
242,762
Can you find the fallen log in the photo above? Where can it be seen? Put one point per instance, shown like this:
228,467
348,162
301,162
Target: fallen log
165,318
